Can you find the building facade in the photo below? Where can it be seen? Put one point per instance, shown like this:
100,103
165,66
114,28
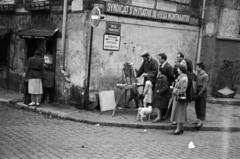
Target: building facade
128,28
220,47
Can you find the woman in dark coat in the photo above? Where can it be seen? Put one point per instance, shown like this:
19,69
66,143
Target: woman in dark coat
161,95
34,77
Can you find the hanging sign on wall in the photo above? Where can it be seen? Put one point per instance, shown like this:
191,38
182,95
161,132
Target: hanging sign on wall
113,28
142,12
111,42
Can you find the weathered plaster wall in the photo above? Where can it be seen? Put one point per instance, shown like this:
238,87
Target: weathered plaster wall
77,43
221,20
17,47
229,23
137,36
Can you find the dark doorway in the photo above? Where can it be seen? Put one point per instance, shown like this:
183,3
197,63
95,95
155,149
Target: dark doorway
48,47
51,48
4,45
4,67
33,44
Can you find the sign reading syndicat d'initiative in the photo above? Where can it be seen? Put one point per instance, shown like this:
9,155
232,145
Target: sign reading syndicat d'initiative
116,8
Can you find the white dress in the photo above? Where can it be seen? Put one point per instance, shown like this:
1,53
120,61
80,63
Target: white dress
148,92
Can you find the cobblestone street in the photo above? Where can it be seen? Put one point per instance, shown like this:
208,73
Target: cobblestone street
26,135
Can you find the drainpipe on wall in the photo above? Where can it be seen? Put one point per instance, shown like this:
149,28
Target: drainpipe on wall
67,83
64,23
201,33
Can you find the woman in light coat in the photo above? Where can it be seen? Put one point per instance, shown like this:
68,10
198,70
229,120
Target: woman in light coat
179,108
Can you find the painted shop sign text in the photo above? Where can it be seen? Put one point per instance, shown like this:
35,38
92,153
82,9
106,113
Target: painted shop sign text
115,8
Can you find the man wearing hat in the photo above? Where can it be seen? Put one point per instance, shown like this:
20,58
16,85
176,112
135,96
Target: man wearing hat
149,68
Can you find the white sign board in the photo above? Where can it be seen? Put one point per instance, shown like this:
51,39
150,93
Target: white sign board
107,100
77,5
111,42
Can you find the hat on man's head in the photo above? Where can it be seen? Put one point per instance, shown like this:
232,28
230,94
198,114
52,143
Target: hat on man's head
145,54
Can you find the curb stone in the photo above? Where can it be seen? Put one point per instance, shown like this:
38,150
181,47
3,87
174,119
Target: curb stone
224,101
64,116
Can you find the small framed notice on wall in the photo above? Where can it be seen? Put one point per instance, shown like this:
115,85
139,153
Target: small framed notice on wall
111,42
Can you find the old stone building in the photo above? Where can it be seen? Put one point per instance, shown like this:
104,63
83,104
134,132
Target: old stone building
220,47
128,28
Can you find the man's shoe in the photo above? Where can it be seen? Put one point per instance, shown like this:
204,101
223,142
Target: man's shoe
156,120
37,104
200,124
195,122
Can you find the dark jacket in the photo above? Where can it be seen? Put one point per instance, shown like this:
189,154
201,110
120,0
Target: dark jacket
48,78
162,94
151,67
201,83
167,70
34,68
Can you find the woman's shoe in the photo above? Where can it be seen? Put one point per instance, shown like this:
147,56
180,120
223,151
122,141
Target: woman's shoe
180,132
37,104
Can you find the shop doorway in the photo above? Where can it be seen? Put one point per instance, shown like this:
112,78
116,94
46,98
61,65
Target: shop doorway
48,47
44,37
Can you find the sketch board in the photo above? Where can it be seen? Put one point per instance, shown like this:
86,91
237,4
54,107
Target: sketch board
107,100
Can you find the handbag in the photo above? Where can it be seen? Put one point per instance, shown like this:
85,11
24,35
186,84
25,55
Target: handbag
181,98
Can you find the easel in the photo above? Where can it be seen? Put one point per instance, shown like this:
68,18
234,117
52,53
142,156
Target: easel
130,85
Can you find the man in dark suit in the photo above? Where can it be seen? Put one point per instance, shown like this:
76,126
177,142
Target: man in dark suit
166,68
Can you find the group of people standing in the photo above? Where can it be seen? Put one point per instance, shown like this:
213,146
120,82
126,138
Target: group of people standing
38,80
169,89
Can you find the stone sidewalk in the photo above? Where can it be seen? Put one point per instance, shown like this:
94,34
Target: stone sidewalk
220,117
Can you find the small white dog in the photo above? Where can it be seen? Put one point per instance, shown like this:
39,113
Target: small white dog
144,113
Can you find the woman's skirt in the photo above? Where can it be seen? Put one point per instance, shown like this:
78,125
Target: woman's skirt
35,86
179,112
